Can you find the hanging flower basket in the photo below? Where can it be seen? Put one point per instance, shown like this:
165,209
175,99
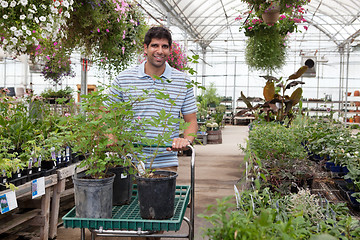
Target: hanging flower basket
271,15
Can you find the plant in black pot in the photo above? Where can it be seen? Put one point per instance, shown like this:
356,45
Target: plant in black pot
156,188
101,127
57,96
9,163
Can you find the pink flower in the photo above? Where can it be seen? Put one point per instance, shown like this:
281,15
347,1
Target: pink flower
55,43
98,30
107,30
67,114
123,49
282,17
238,18
249,28
306,28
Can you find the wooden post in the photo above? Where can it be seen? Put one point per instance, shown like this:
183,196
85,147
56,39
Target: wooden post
55,205
45,212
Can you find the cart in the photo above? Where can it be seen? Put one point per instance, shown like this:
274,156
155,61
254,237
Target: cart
126,220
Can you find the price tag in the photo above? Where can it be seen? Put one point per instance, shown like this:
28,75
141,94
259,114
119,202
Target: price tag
123,175
38,187
8,202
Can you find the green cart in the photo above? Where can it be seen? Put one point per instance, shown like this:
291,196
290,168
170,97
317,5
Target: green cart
126,220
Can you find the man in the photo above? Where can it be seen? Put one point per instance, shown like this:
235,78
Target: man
157,46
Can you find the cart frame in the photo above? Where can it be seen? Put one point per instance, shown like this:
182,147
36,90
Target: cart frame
141,233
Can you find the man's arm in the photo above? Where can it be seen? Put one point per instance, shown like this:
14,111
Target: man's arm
182,143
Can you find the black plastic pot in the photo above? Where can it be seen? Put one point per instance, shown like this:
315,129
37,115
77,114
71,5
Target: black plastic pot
47,168
18,181
46,165
3,181
123,186
157,195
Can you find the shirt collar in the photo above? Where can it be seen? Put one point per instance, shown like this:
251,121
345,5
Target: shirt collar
166,74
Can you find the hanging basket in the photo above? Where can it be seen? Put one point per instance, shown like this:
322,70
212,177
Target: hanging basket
271,15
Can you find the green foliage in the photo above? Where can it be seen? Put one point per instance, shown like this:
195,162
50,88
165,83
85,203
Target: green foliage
265,51
28,129
260,214
62,93
109,33
278,105
102,126
275,151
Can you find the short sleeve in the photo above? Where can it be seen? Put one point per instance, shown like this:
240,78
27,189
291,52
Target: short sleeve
189,105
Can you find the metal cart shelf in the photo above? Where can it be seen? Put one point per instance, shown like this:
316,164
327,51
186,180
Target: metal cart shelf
127,217
126,220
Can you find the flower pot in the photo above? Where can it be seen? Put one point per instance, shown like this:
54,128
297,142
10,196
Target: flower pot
214,137
93,197
357,119
328,165
157,195
123,186
271,15
357,93
348,93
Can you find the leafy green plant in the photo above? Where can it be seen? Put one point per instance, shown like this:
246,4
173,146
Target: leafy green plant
102,126
283,158
108,33
278,105
62,93
265,52
261,214
266,45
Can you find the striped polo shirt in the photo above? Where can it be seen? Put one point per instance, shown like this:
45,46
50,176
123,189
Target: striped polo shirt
173,82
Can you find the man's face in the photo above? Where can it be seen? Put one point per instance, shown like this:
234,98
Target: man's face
157,52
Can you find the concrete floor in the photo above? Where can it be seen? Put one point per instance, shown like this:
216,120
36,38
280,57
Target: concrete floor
217,168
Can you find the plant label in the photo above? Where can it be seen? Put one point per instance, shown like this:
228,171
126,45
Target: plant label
38,187
8,202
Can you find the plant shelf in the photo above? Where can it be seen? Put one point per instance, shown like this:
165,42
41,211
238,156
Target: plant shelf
127,217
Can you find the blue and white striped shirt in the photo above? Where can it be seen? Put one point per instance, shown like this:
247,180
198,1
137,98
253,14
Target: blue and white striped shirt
135,80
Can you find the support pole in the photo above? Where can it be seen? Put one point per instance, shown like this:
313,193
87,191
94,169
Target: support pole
234,87
84,70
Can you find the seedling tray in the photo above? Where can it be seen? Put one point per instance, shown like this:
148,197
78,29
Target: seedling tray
127,217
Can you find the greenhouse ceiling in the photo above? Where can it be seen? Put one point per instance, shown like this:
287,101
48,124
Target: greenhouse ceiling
205,20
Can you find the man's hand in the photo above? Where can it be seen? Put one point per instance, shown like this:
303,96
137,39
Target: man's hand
179,144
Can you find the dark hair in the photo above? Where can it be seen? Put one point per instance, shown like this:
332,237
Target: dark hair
157,32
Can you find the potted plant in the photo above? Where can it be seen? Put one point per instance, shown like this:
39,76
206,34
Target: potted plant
108,33
262,214
266,46
93,132
21,33
291,7
52,96
57,67
278,105
283,158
